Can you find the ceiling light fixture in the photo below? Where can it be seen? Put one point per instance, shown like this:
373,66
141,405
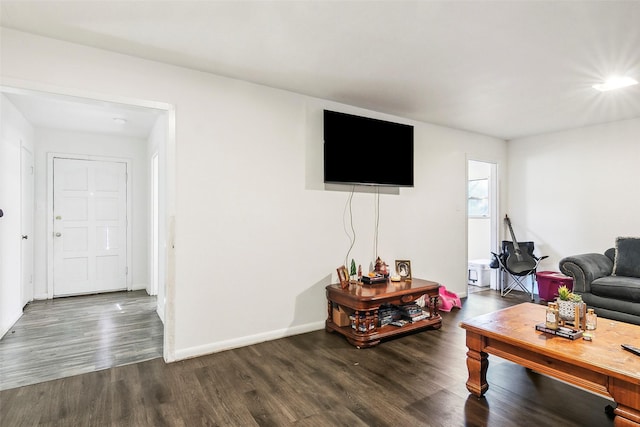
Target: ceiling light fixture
119,120
615,82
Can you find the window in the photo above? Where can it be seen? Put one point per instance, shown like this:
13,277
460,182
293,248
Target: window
478,198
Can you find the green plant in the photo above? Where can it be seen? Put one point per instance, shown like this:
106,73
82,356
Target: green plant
575,297
565,294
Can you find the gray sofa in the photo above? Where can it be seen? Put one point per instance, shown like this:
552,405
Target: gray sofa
610,282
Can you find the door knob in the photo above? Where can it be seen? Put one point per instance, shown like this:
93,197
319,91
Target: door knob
58,234
25,237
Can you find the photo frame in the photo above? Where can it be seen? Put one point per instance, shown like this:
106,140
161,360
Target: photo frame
403,269
343,276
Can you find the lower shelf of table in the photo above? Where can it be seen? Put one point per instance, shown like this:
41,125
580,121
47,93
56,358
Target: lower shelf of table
372,338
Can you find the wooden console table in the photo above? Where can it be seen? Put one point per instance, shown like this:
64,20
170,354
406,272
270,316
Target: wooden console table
364,302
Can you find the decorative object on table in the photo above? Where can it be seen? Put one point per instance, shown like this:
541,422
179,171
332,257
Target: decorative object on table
343,276
379,274
373,277
403,268
571,307
353,269
377,267
592,320
552,316
381,267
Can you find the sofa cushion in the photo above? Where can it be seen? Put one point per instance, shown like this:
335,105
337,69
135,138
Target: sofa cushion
619,287
627,260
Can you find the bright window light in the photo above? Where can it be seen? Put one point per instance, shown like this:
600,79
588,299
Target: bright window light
615,82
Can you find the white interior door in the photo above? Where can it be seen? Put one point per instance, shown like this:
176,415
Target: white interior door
89,226
26,224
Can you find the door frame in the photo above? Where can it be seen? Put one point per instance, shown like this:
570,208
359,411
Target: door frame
13,85
494,210
50,219
26,288
154,253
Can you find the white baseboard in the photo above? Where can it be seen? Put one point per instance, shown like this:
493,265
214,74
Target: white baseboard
41,296
138,286
6,328
187,353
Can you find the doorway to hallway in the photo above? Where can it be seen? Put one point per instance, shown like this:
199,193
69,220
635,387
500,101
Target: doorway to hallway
482,224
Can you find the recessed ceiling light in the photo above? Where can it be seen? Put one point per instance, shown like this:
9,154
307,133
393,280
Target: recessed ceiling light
615,82
119,120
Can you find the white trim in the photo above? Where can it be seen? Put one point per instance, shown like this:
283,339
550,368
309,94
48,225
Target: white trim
154,246
201,350
129,163
169,344
24,87
11,323
27,296
494,209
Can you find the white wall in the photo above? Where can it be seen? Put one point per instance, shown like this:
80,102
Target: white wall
257,238
575,191
61,142
15,132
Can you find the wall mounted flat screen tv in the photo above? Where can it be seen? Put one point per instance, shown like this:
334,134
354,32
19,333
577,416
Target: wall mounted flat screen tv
366,151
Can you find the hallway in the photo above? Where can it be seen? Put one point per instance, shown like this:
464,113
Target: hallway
69,336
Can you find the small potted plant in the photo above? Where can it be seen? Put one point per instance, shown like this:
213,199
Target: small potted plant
567,302
353,272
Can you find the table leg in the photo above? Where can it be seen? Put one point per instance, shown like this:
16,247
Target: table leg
624,417
627,397
477,364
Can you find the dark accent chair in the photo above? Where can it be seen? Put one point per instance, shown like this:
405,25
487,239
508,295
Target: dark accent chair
610,282
515,280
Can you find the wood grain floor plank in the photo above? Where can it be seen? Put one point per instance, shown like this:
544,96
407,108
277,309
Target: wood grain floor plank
314,379
76,335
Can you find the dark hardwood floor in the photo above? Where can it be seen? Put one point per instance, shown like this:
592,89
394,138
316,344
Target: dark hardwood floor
70,336
314,379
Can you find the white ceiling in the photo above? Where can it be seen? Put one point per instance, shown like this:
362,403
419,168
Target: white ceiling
502,68
83,115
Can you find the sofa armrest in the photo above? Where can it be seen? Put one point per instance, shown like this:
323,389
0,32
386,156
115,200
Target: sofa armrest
585,268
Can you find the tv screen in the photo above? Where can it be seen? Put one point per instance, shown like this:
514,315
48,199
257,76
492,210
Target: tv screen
366,151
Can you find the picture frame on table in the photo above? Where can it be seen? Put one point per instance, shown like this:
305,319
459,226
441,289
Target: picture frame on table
403,269
343,276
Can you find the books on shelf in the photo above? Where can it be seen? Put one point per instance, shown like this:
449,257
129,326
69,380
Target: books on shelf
413,312
418,317
389,314
563,332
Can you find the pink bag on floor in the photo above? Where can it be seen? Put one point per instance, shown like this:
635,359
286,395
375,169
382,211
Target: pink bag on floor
448,299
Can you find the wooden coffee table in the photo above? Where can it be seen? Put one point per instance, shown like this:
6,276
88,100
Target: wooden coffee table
600,366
